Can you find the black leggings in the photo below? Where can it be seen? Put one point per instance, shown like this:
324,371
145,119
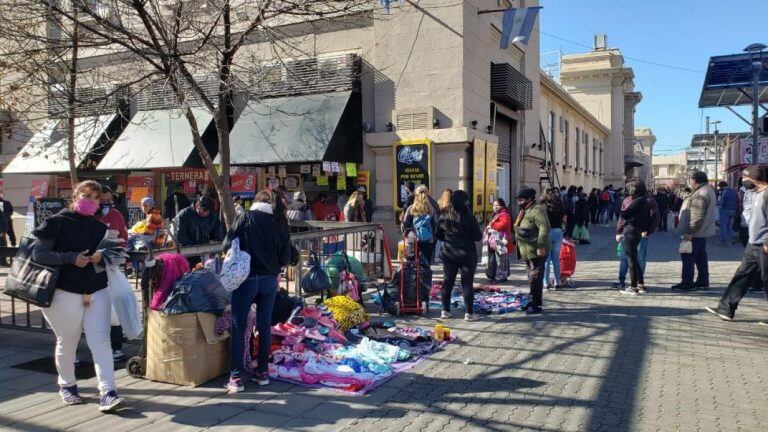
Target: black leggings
632,237
450,269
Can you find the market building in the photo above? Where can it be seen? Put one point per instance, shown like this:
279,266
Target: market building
603,84
576,138
429,74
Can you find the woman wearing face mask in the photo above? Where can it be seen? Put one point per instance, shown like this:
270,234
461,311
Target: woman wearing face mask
113,219
69,240
458,230
533,245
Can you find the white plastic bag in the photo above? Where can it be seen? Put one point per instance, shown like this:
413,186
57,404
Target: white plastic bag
686,246
236,267
124,302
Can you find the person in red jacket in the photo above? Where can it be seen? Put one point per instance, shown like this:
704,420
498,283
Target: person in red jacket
109,216
499,237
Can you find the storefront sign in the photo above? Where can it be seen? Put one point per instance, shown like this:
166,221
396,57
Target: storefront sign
412,163
322,180
243,185
292,182
745,147
364,179
491,172
351,169
47,207
305,169
478,179
188,174
38,188
341,183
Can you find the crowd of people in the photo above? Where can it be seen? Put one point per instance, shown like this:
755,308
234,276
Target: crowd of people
534,232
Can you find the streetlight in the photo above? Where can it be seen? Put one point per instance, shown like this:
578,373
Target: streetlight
715,122
756,52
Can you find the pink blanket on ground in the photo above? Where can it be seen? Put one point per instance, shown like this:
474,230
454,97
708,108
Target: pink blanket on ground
175,266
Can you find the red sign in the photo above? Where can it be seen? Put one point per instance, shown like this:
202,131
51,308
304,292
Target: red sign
38,188
243,183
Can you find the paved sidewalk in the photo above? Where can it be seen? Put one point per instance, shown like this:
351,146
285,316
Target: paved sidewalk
595,361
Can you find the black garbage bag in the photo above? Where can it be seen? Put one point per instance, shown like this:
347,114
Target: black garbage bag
316,280
198,291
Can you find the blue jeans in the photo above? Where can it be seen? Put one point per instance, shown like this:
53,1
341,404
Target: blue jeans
642,253
726,233
553,259
604,214
262,291
699,259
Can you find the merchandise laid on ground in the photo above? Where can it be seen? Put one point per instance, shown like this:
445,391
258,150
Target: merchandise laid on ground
487,302
334,345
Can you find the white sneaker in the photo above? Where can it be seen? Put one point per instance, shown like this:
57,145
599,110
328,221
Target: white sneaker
471,317
118,355
445,315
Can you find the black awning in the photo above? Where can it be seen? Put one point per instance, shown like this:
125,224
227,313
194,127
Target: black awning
308,128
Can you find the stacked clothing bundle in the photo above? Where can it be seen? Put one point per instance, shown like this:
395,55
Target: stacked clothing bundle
347,312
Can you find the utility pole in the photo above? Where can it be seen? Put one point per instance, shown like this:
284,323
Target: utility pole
717,156
756,52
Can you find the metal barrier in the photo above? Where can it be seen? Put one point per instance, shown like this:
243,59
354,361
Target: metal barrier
366,243
22,315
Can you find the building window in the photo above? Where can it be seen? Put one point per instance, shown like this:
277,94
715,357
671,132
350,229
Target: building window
601,157
586,151
551,133
594,154
566,150
578,148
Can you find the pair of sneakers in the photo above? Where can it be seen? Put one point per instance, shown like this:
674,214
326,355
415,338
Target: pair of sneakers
467,317
235,383
108,402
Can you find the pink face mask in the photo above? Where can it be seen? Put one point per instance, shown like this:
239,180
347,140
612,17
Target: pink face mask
86,207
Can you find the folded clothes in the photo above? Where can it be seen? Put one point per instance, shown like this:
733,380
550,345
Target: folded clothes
491,303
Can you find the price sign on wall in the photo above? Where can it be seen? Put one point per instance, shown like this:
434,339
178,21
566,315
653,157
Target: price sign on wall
412,163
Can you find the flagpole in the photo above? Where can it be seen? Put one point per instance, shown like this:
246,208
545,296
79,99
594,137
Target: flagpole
504,10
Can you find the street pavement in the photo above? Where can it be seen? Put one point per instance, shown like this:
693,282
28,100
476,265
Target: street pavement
595,361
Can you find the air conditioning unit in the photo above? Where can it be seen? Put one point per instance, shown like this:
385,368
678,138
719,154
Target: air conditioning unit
414,118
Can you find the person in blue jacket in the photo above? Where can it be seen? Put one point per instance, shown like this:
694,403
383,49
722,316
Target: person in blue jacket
727,206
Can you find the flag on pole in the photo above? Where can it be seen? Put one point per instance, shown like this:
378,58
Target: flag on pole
517,25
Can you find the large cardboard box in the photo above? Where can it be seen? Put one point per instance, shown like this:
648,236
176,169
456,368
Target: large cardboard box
183,349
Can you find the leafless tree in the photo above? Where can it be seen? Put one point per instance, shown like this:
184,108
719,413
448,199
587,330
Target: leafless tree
181,41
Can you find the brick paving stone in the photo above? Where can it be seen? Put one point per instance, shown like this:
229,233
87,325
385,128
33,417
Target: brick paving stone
595,360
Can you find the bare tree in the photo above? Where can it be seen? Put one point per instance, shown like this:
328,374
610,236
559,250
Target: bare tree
180,41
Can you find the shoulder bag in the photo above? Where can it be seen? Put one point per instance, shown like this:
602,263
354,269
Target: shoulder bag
29,281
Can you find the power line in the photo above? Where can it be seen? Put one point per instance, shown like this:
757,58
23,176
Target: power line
625,56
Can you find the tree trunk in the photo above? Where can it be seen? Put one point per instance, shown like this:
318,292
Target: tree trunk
71,104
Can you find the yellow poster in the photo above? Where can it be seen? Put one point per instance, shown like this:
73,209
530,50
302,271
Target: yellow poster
322,180
341,183
478,179
491,182
351,169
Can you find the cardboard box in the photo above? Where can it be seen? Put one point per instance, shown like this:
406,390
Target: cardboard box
183,349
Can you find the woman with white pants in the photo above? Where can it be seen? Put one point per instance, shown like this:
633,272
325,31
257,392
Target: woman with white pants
81,302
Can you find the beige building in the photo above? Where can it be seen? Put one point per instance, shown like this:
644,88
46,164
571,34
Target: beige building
603,84
431,70
670,170
644,142
577,138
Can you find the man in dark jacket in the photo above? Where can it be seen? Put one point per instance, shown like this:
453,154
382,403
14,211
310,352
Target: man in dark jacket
198,224
8,235
642,248
663,201
176,202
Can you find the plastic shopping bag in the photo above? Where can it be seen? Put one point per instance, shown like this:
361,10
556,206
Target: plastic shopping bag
236,267
316,280
686,247
124,302
349,285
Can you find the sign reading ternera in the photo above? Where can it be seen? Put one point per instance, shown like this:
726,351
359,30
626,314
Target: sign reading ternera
412,164
47,207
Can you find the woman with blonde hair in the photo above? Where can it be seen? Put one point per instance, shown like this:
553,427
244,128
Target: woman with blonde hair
445,199
420,223
69,240
354,210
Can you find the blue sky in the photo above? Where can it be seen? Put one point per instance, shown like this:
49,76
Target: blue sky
681,33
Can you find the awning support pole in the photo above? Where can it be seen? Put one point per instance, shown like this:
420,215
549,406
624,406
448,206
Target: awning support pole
749,123
757,66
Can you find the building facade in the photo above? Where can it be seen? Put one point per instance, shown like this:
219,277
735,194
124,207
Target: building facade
576,137
669,171
644,142
603,84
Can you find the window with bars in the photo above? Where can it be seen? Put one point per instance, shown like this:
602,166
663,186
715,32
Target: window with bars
578,148
586,151
566,150
594,154
551,131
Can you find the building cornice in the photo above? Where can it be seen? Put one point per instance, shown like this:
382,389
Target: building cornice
558,91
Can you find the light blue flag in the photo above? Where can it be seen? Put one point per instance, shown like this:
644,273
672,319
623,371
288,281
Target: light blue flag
517,25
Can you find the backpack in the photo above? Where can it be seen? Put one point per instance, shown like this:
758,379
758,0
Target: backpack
605,196
423,226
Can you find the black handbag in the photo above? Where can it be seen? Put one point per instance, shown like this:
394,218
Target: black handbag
29,281
316,280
